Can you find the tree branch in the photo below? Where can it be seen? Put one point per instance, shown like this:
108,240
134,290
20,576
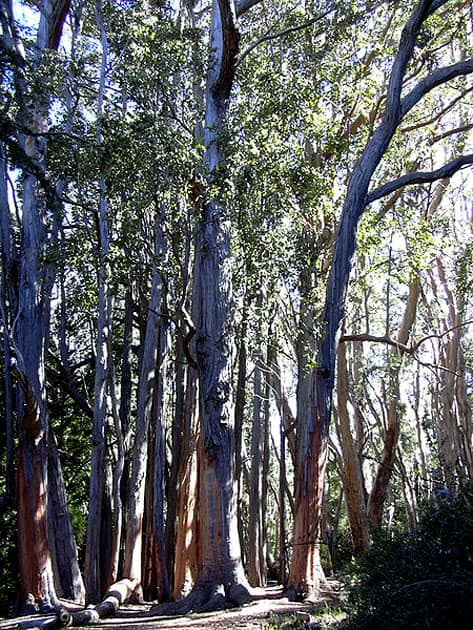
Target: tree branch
417,345
438,116
451,132
242,6
268,37
222,83
377,339
436,5
420,177
413,348
64,378
438,77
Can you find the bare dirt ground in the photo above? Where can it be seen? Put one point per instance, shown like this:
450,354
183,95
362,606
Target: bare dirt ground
269,607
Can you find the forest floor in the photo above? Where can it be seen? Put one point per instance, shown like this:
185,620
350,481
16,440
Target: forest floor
269,609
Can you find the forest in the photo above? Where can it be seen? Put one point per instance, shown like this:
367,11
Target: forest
236,306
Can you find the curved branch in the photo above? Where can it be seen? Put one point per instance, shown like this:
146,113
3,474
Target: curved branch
413,348
286,31
436,5
377,339
420,177
438,77
242,6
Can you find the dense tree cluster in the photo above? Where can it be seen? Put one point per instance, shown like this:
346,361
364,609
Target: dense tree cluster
235,293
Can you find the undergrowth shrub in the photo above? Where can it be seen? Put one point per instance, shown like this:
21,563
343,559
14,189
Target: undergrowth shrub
8,558
421,580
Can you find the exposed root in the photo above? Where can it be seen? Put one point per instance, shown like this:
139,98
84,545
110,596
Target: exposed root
205,598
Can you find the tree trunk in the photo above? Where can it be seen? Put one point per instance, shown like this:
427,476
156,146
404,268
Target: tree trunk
384,473
282,404
305,350
454,427
255,560
266,454
282,503
63,546
155,576
8,306
240,401
352,474
147,381
186,550
219,580
303,574
117,594
30,340
121,430
37,587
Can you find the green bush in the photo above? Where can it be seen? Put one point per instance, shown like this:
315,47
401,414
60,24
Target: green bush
422,580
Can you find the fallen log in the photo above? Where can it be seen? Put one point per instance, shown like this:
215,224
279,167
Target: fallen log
117,594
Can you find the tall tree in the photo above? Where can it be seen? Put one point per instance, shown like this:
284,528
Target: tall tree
304,576
47,552
219,575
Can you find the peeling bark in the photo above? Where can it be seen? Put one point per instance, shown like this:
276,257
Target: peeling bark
186,551
219,579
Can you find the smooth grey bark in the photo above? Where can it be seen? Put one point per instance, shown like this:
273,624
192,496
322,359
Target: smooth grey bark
122,425
240,401
282,503
180,418
454,432
385,469
352,476
305,347
158,473
284,409
391,436
70,584
266,456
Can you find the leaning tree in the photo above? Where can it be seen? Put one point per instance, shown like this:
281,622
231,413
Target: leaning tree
304,576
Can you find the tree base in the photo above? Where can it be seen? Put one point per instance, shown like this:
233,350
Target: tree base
306,595
205,598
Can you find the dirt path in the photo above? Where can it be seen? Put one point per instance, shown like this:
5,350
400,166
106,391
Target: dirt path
268,605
